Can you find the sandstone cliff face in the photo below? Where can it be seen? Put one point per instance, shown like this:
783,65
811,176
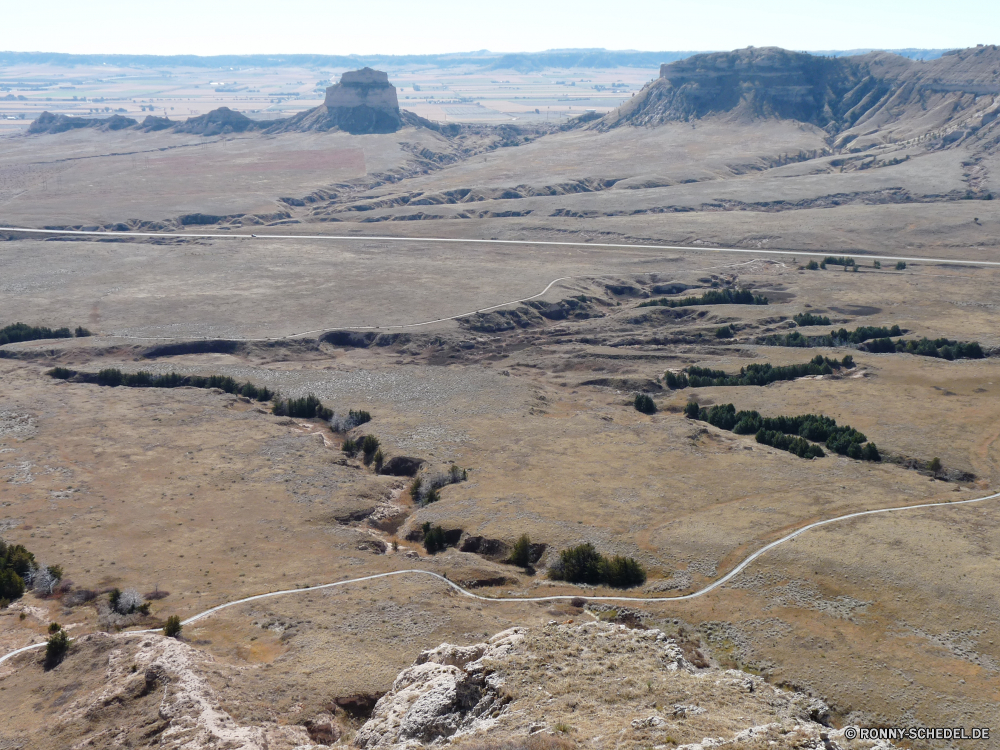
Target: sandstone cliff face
904,97
363,102
363,88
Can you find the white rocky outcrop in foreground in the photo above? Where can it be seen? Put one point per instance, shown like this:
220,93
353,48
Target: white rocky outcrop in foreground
594,684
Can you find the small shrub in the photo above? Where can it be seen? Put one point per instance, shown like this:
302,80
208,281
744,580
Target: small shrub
415,489
900,265
675,380
81,332
584,564
877,264
434,539
644,403
808,319
54,627
812,265
173,627
691,410
369,445
378,460
56,648
62,373
350,447
520,555
934,465
127,602
724,332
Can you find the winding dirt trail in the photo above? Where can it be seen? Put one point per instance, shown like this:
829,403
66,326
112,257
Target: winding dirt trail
632,600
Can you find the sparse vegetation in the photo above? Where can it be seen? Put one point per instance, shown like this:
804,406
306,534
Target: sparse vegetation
307,407
56,647
424,490
520,555
19,572
340,423
808,319
711,297
941,348
644,403
369,446
127,602
793,434
114,377
584,564
16,332
755,374
172,628
841,337
434,538
61,373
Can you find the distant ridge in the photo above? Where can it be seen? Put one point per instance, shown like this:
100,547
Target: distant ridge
484,59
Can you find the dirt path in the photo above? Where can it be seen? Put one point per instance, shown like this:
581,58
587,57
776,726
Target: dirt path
632,600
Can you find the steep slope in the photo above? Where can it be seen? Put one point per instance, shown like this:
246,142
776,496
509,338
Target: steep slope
850,97
758,83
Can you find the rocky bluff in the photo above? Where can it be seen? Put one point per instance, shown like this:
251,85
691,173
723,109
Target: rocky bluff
363,102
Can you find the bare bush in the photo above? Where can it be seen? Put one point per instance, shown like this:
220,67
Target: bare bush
127,601
44,579
78,597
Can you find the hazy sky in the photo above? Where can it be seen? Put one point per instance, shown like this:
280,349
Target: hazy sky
206,27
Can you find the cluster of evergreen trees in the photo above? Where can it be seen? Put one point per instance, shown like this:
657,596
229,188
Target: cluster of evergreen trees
644,403
879,342
584,564
113,377
307,407
808,319
843,337
794,434
16,562
435,538
711,297
942,348
755,374
23,332
369,448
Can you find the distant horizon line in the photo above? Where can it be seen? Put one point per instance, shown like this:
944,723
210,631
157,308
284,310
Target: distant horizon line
478,53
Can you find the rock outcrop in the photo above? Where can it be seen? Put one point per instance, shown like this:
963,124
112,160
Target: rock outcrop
837,94
449,690
362,102
593,680
50,123
221,121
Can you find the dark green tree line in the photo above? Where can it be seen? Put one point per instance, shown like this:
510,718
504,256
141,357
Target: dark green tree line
711,297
